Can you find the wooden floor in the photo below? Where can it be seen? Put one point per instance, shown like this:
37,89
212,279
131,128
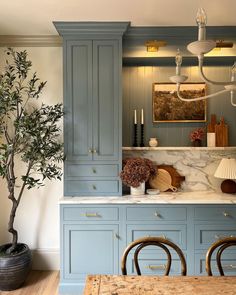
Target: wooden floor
38,283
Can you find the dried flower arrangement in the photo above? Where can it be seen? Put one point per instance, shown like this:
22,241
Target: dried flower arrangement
197,134
137,170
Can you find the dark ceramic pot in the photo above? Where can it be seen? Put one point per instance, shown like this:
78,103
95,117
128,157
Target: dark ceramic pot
197,142
14,268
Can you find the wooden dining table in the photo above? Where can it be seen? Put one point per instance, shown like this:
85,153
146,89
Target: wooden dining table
165,285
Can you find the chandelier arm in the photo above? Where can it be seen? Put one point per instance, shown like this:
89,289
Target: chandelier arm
199,98
232,98
200,67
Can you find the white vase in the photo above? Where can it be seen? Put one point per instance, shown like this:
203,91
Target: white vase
211,139
153,142
137,191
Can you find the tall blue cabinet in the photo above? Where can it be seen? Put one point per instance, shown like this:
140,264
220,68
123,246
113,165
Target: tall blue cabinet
92,54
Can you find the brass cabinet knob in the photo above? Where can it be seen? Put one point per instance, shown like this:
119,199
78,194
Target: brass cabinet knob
94,187
94,170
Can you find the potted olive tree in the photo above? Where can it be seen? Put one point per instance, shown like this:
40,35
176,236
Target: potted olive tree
31,135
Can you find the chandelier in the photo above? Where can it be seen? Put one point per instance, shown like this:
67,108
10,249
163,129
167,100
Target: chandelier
199,48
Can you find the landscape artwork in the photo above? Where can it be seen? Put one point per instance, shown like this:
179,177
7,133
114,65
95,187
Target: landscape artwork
167,107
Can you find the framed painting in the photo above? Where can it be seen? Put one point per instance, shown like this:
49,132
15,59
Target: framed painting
167,107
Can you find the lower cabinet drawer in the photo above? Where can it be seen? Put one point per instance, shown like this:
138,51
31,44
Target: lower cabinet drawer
72,213
228,264
92,187
206,235
216,213
154,265
173,232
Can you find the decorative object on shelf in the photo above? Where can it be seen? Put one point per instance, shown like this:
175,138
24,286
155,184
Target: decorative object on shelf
162,181
196,136
176,178
30,139
137,171
227,170
222,131
153,191
211,135
166,107
153,142
139,190
135,142
142,129
199,48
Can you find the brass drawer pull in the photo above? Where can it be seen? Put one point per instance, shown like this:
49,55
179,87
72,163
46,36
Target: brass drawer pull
90,151
90,214
226,214
95,151
229,266
154,267
94,187
219,237
94,170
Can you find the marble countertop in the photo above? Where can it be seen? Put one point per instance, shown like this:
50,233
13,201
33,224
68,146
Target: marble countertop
193,197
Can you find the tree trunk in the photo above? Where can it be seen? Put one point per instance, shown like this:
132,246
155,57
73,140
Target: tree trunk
11,227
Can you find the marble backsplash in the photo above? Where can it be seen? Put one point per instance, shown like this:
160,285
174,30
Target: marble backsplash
198,166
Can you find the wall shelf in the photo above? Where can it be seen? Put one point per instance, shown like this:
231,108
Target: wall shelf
179,148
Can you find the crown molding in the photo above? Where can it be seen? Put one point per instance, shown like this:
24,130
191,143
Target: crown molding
30,41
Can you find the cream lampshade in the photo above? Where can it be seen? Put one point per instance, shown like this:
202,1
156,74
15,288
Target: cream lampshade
227,170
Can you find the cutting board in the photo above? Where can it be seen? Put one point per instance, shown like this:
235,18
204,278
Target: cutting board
162,181
176,178
221,130
212,124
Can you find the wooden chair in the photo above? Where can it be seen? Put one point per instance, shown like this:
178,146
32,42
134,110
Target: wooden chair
222,244
153,241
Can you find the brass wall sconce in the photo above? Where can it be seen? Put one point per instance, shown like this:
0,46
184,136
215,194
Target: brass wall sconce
153,45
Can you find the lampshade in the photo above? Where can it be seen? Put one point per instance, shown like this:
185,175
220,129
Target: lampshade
226,169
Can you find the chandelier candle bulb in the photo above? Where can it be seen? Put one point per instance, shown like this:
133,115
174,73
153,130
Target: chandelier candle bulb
201,20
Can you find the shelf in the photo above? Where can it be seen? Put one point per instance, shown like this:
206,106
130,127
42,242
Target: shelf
179,148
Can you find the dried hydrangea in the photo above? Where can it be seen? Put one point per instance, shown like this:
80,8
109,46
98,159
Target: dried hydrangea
137,170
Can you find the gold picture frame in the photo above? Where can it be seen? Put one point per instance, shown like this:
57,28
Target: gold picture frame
167,107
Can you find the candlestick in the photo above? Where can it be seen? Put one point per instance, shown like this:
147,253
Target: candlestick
142,135
142,117
135,117
135,142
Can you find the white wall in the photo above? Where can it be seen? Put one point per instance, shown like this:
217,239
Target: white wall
37,219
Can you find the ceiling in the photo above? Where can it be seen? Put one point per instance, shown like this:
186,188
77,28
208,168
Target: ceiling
28,17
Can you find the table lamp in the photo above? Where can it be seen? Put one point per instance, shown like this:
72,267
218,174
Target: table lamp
227,170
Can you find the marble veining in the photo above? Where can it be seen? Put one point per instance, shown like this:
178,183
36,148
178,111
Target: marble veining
197,165
193,197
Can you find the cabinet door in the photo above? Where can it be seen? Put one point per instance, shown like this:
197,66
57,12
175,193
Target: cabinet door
90,249
106,92
78,100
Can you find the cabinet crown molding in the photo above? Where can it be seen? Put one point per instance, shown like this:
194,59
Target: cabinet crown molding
91,28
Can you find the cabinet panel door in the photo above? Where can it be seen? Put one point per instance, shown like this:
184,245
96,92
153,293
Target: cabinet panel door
106,80
90,249
78,100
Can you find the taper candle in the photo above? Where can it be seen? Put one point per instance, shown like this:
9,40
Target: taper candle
142,117
135,117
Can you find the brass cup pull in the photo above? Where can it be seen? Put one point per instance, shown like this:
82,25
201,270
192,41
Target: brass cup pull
90,214
156,267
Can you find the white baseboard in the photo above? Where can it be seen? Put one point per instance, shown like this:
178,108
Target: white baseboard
46,259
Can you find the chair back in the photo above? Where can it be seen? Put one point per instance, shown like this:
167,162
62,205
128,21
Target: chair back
221,244
153,241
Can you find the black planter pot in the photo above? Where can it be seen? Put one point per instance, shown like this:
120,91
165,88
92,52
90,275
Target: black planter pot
14,268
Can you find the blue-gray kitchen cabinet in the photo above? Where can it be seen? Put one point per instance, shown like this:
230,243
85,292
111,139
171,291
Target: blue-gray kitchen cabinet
92,54
94,236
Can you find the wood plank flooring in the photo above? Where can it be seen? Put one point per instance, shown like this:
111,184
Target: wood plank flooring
38,283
